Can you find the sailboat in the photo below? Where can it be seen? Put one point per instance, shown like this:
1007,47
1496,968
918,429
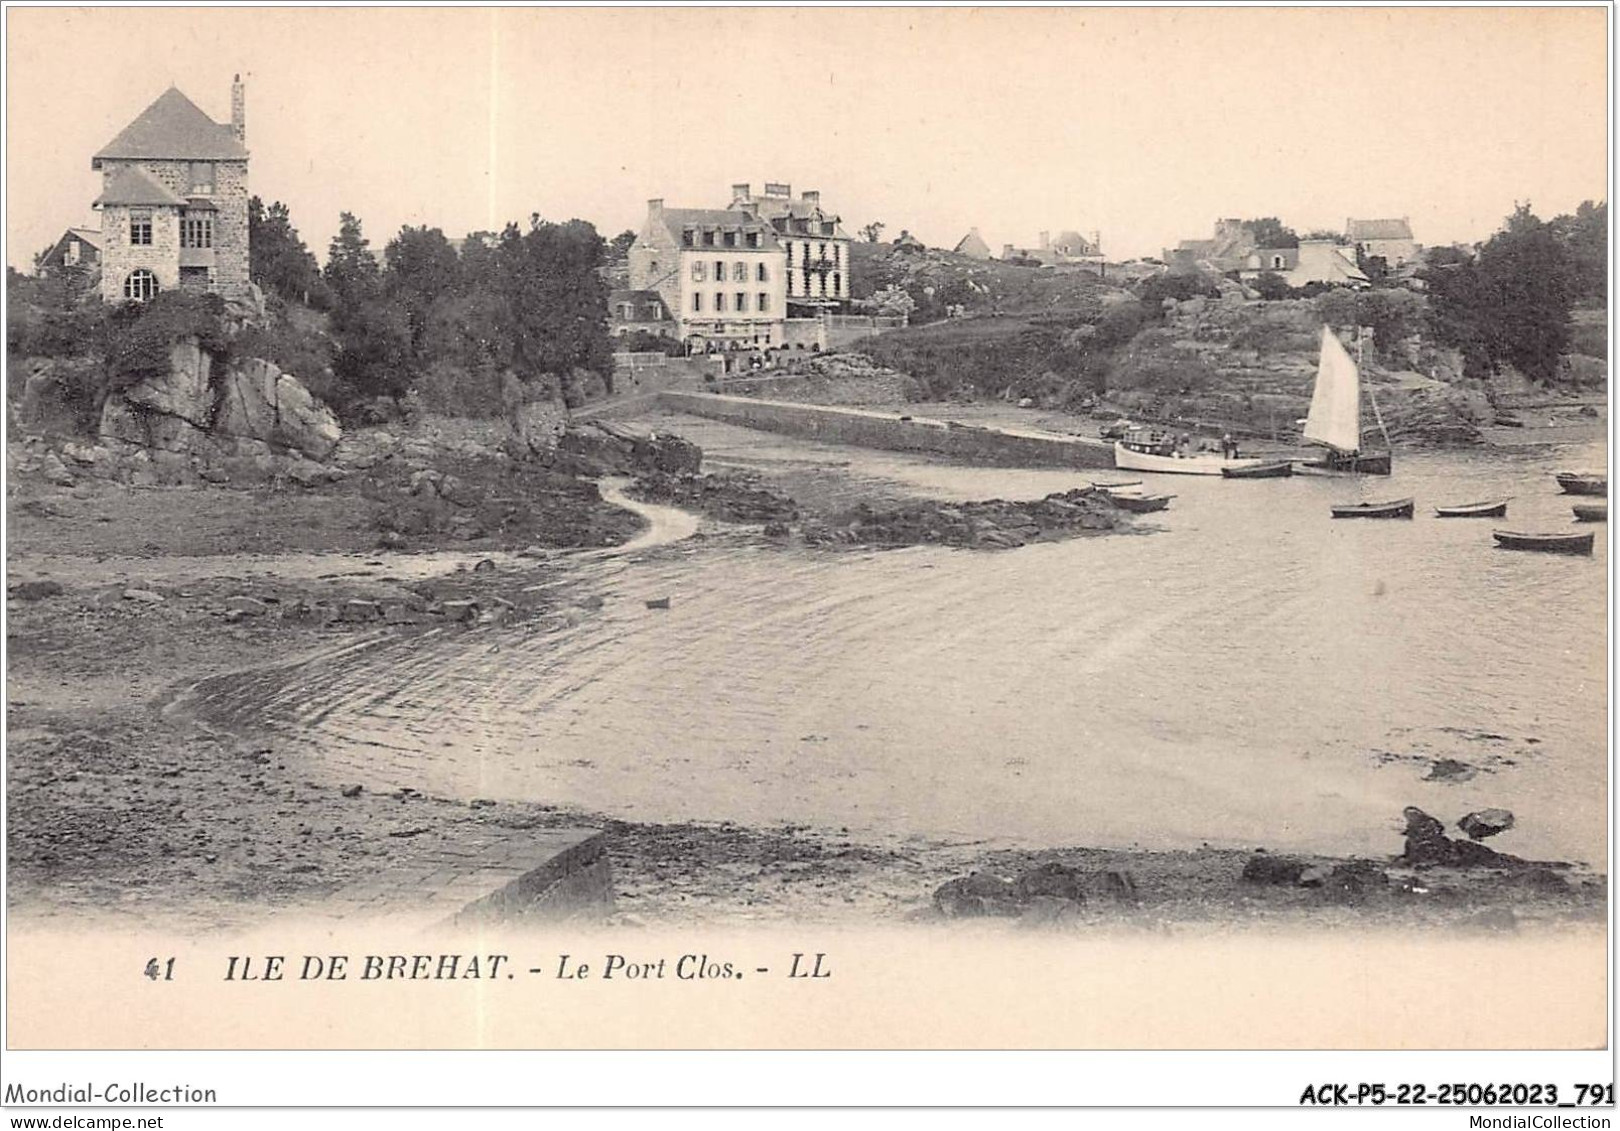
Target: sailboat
1334,420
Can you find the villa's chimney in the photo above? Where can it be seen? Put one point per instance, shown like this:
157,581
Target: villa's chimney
238,109
655,207
812,198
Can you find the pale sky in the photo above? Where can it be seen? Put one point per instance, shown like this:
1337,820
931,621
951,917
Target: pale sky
1145,125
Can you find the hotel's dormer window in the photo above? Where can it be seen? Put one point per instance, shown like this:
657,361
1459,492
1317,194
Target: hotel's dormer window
753,239
688,237
708,237
729,239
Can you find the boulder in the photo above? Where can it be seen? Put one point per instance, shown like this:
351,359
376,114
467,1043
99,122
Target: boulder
356,610
1486,823
246,606
1052,879
183,391
1263,868
460,611
35,590
55,471
976,895
145,596
257,401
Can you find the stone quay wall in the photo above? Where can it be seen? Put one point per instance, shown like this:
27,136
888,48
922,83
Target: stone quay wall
1004,447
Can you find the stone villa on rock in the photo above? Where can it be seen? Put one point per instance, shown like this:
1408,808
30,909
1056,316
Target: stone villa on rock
174,201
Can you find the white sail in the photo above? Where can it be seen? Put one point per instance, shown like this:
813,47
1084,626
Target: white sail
1335,416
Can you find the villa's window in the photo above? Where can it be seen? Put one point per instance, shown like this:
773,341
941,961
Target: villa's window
140,227
140,285
202,177
197,231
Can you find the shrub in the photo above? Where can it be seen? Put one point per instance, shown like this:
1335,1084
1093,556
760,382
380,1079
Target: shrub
1271,286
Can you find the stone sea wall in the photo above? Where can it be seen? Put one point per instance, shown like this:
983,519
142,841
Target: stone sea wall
894,432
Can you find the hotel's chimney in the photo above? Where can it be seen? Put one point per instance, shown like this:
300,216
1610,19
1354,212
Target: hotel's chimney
739,192
1046,240
238,109
812,198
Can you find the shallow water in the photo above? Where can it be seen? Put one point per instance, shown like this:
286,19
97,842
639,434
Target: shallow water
1250,672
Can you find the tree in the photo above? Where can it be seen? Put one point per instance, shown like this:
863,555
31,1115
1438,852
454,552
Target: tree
1268,231
873,232
555,301
619,245
892,301
277,259
1271,286
1585,236
1512,303
1530,283
422,270
351,270
371,331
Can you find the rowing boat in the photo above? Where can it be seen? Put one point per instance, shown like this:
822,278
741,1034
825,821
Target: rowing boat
1591,512
1474,510
1395,508
1547,543
1139,504
1278,470
1583,483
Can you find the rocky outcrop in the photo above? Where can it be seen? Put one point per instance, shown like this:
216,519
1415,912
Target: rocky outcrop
252,410
256,401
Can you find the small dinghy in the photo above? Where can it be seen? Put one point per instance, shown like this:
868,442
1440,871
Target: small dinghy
1591,512
1140,504
1474,510
1116,486
1546,543
1395,508
1583,483
1281,469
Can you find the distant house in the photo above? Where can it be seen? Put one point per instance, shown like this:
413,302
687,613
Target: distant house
78,249
1228,251
972,245
1389,240
630,311
1069,248
905,241
174,201
1313,261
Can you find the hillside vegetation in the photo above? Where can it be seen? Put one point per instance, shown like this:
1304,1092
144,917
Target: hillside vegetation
1527,309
